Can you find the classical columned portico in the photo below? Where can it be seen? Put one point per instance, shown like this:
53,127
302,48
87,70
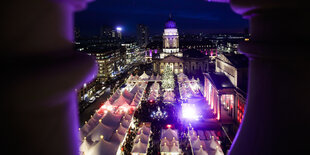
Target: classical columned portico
41,74
276,111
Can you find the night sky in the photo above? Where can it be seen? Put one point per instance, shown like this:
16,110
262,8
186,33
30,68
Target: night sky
191,16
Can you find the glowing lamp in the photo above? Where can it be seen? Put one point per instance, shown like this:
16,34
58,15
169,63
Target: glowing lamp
119,28
169,126
189,112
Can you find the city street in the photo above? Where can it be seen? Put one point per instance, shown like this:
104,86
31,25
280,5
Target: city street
84,116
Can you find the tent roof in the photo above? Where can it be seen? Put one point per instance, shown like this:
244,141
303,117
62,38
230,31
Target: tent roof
197,143
201,152
211,144
164,148
144,76
135,89
169,133
129,96
111,120
145,130
174,148
85,130
125,123
114,96
92,122
99,130
103,147
139,147
120,101
122,130
117,138
84,146
141,137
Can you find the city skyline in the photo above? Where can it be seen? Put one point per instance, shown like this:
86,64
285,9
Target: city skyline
192,17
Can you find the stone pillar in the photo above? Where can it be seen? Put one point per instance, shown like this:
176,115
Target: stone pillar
41,74
277,109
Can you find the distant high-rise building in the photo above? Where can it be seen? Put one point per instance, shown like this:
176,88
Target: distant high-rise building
142,36
107,32
119,32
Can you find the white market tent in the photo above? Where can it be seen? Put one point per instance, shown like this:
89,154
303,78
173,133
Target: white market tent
141,137
117,137
169,133
164,148
111,120
169,141
144,76
139,148
128,95
141,141
84,146
100,129
200,151
120,101
103,147
204,147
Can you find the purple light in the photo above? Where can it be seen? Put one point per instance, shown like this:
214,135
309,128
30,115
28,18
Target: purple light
151,53
155,51
189,111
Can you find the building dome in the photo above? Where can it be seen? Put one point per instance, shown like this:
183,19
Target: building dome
170,23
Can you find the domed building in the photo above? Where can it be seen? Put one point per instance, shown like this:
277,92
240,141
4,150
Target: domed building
170,40
188,61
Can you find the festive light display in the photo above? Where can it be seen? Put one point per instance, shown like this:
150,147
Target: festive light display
189,112
159,114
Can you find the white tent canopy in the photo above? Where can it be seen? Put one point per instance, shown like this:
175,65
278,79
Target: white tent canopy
129,96
139,148
84,146
121,100
103,147
99,130
164,148
144,76
169,134
117,138
145,130
141,137
111,119
201,152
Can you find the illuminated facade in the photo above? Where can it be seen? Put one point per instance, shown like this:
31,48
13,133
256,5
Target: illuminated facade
189,61
110,61
235,67
218,91
170,40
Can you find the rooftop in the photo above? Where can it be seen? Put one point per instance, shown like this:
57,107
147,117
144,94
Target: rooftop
220,80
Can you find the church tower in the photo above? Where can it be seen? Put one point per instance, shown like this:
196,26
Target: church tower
170,40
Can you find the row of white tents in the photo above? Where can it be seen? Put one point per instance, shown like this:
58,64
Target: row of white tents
106,130
141,142
143,77
188,88
154,92
203,145
169,143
